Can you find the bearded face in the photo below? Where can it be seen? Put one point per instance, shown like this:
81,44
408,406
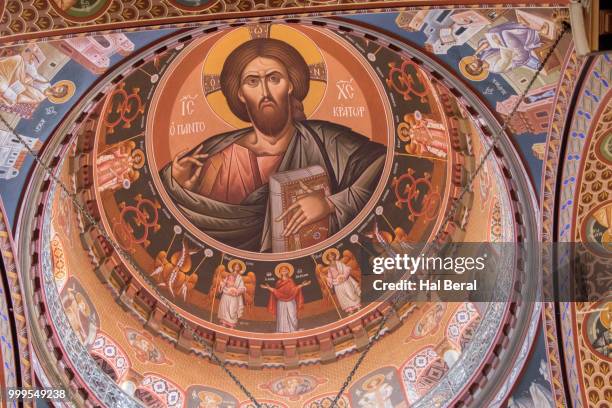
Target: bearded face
265,90
57,91
475,67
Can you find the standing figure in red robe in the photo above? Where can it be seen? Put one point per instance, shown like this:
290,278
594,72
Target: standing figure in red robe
286,298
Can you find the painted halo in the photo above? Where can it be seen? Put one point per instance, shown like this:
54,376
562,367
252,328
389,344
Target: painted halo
71,87
374,382
464,62
230,265
282,265
329,252
138,157
213,64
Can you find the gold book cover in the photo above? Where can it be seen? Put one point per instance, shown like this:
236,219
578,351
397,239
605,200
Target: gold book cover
285,189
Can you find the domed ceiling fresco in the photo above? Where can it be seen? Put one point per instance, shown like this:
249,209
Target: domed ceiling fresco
160,250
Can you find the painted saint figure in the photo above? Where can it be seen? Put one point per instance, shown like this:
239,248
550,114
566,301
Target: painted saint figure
602,227
118,167
424,136
208,399
506,46
236,287
599,329
377,393
222,184
175,272
82,319
231,306
22,88
339,278
286,299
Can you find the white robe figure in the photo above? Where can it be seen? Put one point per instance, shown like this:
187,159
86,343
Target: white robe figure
286,316
510,45
231,306
20,82
346,287
114,170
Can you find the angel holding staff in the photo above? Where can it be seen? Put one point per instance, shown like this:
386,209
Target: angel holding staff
342,275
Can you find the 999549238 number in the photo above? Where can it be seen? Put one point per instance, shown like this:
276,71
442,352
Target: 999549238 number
20,394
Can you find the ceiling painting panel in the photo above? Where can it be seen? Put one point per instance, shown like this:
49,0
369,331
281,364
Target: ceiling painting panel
178,234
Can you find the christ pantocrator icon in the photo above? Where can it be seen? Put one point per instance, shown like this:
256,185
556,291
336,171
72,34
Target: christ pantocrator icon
221,185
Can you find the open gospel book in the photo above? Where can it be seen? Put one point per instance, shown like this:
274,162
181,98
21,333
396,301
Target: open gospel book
285,189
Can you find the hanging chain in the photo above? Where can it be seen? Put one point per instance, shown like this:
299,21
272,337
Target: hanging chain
183,322
455,205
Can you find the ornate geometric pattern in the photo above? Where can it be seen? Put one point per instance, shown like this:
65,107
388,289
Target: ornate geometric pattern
461,325
593,94
105,389
167,392
60,271
105,348
421,372
595,180
28,18
562,103
431,374
595,367
8,258
495,227
574,206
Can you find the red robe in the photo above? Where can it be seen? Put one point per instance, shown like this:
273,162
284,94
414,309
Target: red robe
285,291
234,173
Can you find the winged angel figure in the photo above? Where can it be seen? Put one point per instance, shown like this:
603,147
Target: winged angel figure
341,275
237,291
174,272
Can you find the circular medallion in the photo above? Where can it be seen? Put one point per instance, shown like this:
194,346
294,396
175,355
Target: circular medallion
597,328
604,148
255,172
597,230
80,10
192,5
327,82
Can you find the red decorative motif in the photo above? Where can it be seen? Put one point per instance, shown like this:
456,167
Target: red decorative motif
145,215
408,190
402,81
123,109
